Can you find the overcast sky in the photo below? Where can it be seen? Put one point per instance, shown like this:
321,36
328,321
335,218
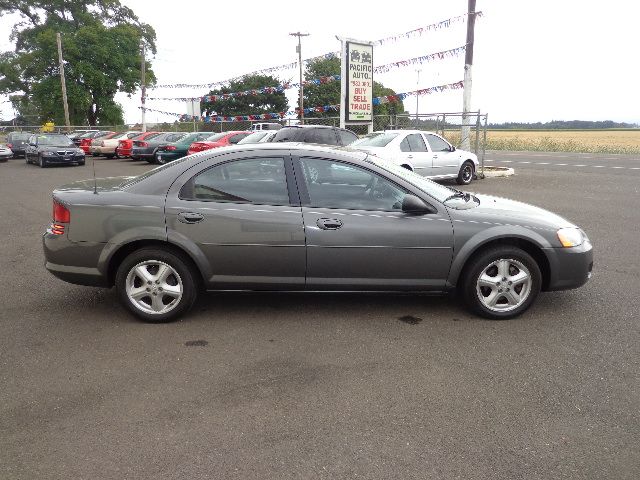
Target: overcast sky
534,61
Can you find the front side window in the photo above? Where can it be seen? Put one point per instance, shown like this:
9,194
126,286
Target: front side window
333,184
259,181
437,144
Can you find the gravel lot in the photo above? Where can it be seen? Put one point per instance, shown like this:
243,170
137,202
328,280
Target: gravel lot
328,385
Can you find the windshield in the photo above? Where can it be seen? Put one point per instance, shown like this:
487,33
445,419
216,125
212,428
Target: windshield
437,191
254,137
57,140
375,140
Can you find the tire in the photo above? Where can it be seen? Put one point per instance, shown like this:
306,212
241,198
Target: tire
81,164
482,283
154,304
465,175
109,155
41,162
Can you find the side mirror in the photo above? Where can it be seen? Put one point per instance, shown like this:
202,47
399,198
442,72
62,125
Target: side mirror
452,149
415,206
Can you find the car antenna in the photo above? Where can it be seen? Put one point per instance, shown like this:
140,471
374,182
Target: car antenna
95,182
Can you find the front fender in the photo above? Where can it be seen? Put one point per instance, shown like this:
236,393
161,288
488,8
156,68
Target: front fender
467,243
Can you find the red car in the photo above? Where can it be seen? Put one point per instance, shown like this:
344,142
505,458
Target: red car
218,140
125,146
85,141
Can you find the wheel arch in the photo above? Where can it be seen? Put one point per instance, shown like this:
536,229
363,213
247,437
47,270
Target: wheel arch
127,248
460,265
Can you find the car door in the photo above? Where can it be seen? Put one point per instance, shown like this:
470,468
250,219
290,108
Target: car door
445,161
241,215
30,151
357,235
414,152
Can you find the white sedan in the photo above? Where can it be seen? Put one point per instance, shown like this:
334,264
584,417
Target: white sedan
425,153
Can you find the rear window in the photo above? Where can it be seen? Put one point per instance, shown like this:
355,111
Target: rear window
216,137
288,135
254,137
375,140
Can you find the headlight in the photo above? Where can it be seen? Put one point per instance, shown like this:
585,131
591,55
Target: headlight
570,237
48,152
79,151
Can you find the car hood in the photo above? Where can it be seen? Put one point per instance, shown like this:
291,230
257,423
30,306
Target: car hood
503,211
102,184
49,147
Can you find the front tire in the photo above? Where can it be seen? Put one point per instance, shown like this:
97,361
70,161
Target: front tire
41,162
156,285
501,283
465,175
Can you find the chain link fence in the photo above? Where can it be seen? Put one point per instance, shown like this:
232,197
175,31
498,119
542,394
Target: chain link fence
449,125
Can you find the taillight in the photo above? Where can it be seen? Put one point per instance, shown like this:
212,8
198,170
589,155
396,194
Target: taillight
61,214
9,145
169,147
142,144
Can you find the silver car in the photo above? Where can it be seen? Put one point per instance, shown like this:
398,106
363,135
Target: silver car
426,153
282,216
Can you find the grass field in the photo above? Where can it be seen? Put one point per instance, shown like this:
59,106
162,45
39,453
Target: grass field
588,141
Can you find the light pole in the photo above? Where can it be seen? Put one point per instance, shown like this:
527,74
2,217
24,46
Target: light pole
417,96
299,50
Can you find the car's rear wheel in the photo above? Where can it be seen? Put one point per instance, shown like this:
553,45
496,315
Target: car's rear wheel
156,285
465,175
501,283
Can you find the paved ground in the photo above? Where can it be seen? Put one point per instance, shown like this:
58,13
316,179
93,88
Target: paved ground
326,386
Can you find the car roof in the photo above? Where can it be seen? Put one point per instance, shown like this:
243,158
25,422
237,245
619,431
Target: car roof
403,130
307,126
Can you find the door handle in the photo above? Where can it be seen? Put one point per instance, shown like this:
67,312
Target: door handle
409,156
190,217
329,223
435,156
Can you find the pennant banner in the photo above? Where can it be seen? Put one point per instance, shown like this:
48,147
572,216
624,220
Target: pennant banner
289,66
325,108
454,52
256,91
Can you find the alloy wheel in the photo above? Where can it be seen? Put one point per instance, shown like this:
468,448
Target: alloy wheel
154,287
504,285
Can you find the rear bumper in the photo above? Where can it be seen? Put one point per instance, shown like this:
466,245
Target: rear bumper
570,267
142,152
73,262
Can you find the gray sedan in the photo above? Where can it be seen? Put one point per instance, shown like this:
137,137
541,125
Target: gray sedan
303,217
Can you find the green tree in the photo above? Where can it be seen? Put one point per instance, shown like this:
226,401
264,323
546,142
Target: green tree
329,93
101,42
248,104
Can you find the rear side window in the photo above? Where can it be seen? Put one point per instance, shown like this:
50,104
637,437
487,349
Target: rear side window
260,181
347,137
416,143
288,135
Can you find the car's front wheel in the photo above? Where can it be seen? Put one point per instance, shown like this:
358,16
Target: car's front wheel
156,285
465,175
41,162
501,283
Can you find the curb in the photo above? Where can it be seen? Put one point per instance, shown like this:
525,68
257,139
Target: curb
494,172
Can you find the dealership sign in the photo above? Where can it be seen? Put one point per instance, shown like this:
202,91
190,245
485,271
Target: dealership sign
357,82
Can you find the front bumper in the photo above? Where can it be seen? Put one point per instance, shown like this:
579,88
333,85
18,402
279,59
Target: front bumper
63,159
569,267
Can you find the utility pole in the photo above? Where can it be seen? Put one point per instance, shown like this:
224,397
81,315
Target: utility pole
417,96
299,50
62,82
143,66
468,63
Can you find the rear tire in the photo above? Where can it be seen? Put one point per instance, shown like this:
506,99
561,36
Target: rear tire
156,285
501,283
465,175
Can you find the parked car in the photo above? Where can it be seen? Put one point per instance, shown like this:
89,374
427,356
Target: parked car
259,136
125,145
53,149
82,136
425,153
5,153
179,149
218,140
146,149
85,141
211,221
266,126
76,134
17,142
320,134
107,145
